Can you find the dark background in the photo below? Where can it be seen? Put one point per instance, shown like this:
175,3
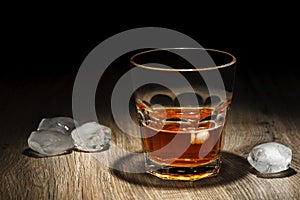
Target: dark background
43,42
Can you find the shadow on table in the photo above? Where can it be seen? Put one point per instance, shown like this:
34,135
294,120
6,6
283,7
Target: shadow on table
286,173
33,154
233,168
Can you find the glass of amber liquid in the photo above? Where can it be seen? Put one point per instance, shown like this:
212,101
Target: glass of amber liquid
182,98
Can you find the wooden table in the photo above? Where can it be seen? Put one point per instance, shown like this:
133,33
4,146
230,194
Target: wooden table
265,108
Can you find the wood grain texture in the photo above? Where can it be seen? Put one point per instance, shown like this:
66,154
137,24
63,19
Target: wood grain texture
265,108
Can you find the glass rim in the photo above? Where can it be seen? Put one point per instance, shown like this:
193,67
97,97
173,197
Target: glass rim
228,64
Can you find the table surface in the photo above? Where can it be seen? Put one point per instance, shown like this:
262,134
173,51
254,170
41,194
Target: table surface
265,108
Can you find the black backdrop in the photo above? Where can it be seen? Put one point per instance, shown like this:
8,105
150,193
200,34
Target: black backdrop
48,43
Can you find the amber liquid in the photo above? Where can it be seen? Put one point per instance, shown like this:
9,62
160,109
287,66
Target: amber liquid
182,137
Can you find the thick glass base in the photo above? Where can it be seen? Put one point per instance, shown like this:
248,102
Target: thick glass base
183,173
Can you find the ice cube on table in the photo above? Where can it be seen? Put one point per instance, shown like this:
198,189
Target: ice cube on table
91,137
49,142
271,157
64,125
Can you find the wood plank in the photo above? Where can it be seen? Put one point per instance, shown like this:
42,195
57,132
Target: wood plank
265,109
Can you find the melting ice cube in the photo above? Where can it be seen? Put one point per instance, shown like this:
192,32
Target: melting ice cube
49,142
64,125
199,137
270,157
91,136
56,136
